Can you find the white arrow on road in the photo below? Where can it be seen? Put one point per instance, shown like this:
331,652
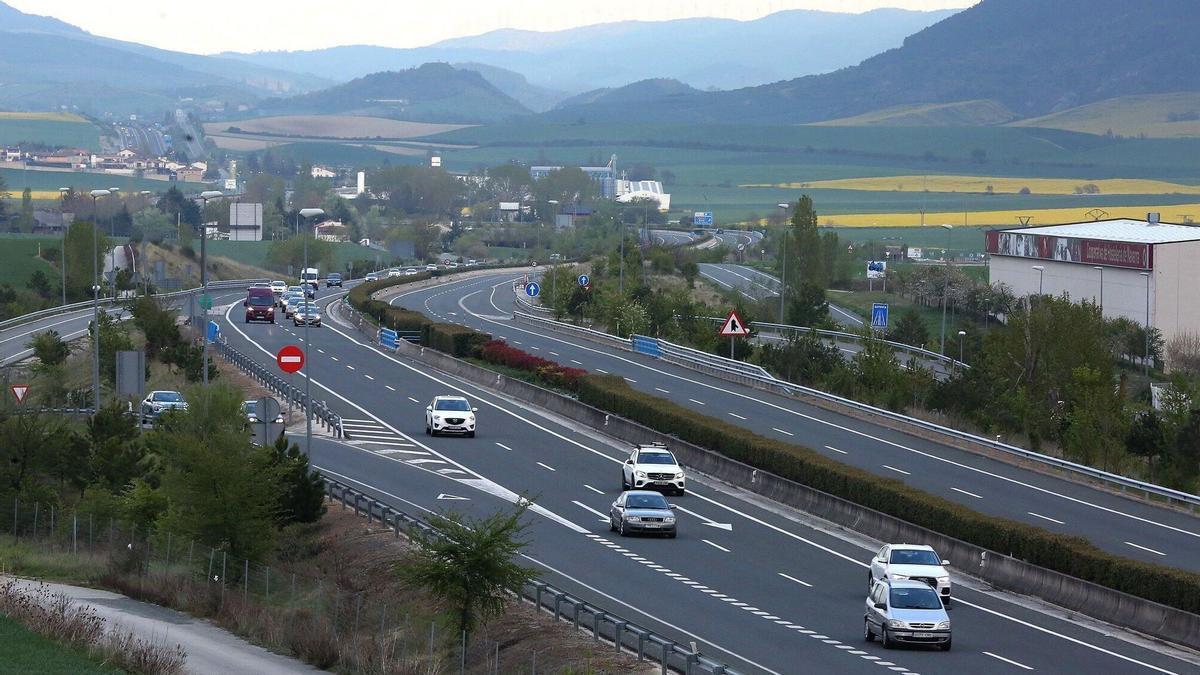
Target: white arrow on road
452,498
705,521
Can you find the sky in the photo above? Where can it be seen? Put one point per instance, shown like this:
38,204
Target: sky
269,25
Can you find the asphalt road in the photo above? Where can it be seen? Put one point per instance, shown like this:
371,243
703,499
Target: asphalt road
756,285
758,586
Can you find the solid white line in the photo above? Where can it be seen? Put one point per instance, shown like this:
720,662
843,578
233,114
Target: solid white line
1038,515
969,494
733,414
547,466
1008,661
1146,549
504,446
830,447
897,470
599,492
802,583
785,433
695,401
588,508
718,546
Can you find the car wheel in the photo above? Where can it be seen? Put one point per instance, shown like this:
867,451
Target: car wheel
621,528
427,429
887,639
612,525
671,534
680,492
946,646
470,434
867,634
624,483
870,582
946,603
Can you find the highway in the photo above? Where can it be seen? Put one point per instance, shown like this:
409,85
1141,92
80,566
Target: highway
751,583
756,285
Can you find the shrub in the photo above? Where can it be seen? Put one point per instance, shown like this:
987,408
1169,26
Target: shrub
549,372
453,340
1074,556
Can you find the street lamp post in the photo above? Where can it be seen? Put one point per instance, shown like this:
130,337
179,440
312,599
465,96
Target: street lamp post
961,334
1041,270
206,195
306,214
1146,354
783,260
112,232
96,195
1101,270
62,254
946,283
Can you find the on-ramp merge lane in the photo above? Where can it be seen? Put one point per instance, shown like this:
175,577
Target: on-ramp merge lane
731,587
1123,526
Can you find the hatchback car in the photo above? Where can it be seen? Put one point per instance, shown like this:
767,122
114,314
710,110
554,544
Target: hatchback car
290,301
911,561
450,415
908,612
642,511
159,402
307,313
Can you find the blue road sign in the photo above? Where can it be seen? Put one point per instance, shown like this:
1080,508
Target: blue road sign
702,218
584,280
879,315
214,331
532,289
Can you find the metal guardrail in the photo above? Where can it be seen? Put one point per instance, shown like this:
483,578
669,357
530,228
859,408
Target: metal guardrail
603,625
390,339
718,365
293,396
87,304
524,301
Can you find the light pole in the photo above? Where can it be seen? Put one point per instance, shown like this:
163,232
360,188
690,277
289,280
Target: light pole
1101,270
1041,270
96,195
783,260
112,232
961,334
621,282
1146,355
306,214
946,282
206,195
62,255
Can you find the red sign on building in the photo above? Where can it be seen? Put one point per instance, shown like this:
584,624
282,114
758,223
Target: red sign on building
1071,249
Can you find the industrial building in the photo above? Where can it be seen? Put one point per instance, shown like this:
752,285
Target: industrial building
1139,269
605,176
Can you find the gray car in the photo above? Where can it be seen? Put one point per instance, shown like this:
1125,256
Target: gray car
906,612
642,511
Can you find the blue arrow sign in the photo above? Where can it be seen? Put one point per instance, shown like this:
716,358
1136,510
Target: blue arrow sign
584,280
879,315
532,289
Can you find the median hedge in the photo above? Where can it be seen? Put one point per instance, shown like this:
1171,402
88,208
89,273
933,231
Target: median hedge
453,339
1074,556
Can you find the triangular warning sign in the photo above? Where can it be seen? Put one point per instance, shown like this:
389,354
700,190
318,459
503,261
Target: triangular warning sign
19,391
734,326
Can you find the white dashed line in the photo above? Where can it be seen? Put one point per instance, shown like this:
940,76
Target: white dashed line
555,354
662,390
785,433
578,363
334,358
1008,661
390,387
599,492
414,400
736,415
1053,520
1145,549
631,380
802,583
368,376
830,447
602,372
547,466
696,402
969,494
892,468
504,446
716,546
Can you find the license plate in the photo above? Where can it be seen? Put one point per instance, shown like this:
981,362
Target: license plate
652,525
924,635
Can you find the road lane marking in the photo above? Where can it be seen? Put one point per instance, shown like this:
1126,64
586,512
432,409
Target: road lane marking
802,583
662,390
334,358
368,376
599,492
547,466
1038,515
504,446
969,494
391,388
555,354
785,433
631,380
1008,661
897,470
578,363
695,401
1146,549
320,351
733,414
601,371
536,348
348,367
414,400
716,546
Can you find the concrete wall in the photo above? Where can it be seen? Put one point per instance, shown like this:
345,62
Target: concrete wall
1124,289
1176,297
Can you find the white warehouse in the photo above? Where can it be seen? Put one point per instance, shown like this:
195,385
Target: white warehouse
1130,268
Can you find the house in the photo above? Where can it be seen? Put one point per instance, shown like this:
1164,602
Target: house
126,154
322,172
189,175
12,154
331,230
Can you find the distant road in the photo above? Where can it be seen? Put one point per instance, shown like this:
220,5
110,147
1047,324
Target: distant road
757,285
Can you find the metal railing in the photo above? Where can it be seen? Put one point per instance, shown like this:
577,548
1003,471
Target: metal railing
720,366
603,625
87,304
294,396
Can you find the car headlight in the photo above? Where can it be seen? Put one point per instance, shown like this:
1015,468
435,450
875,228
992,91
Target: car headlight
945,625
669,519
898,577
155,407
895,623
640,474
633,519
943,580
437,418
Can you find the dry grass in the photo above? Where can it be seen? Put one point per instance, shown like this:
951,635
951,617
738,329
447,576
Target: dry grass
998,185
219,268
61,619
45,116
331,126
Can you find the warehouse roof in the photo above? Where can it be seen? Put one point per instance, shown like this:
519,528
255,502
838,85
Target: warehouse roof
1120,229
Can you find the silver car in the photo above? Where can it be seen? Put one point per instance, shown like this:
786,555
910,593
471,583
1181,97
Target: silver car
906,612
642,511
159,402
308,313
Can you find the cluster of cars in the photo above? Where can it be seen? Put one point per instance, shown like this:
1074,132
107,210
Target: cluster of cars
908,593
294,301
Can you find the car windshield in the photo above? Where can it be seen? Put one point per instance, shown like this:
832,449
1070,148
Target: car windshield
250,407
168,397
295,289
646,502
655,458
908,556
261,301
914,598
335,276
452,404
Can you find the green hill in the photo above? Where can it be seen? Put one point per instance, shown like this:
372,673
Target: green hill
960,114
1174,115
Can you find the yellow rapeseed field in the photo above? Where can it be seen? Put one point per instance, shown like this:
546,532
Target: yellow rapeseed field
997,185
49,116
1171,214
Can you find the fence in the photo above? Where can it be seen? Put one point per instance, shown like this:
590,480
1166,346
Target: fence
390,339
755,376
294,396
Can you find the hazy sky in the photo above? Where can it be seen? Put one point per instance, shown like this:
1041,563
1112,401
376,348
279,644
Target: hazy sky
264,25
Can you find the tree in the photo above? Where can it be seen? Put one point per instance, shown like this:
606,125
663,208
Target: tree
114,337
1147,437
469,563
805,359
1094,417
301,494
116,449
39,283
568,185
807,306
81,265
910,329
285,253
25,221
3,197
176,205
803,248
49,349
152,225
157,322
690,270
1183,353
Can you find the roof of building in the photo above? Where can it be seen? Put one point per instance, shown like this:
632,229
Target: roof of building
1119,229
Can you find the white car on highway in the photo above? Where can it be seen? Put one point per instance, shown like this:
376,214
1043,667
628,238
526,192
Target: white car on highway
278,288
653,467
159,402
910,562
410,272
450,415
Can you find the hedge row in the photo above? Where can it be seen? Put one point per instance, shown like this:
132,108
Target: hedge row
387,316
547,371
1074,556
453,339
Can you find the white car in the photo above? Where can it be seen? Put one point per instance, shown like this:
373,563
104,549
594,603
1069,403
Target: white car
278,288
159,402
910,562
393,273
290,301
431,268
410,272
450,415
653,467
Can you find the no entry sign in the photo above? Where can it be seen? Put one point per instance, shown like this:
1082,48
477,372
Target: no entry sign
290,359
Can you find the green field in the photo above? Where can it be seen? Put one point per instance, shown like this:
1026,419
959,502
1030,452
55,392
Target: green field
18,259
18,179
255,252
28,652
58,130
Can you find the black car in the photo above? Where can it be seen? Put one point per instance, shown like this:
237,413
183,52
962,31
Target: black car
334,279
